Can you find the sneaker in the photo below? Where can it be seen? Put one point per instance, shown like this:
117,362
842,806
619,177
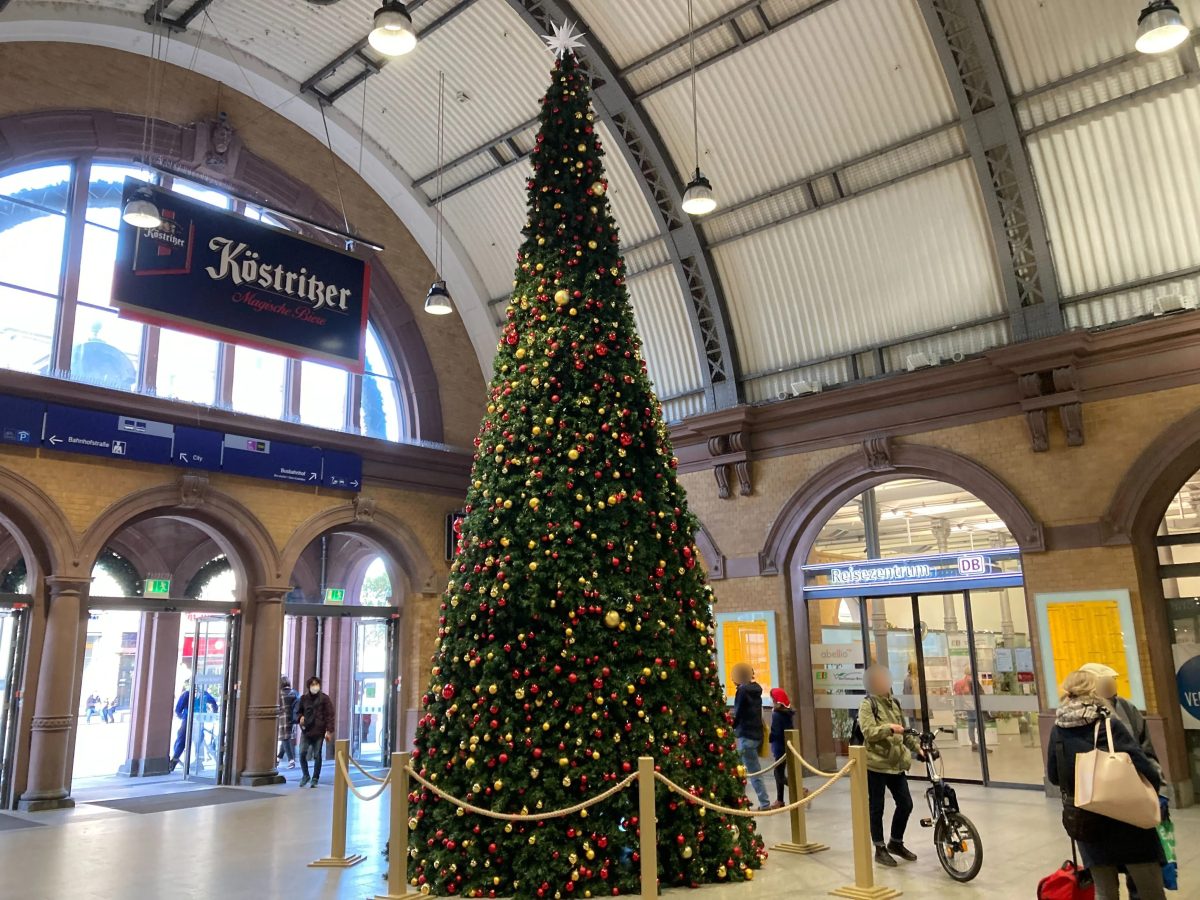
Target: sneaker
292,764
315,782
901,851
883,857
304,781
764,807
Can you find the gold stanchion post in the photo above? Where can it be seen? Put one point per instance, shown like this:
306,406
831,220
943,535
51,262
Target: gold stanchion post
648,827
864,859
799,842
397,873
337,858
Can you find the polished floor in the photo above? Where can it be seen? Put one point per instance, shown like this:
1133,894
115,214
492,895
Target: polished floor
260,848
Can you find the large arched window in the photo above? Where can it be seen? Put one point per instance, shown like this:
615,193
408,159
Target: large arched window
58,239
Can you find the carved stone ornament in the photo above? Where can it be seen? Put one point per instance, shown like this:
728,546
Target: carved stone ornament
1039,433
364,508
213,146
263,712
878,453
52,723
193,489
1055,389
722,475
724,445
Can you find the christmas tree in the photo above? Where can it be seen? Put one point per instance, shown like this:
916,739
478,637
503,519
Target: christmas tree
576,633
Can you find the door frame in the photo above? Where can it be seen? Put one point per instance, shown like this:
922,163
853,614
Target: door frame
17,606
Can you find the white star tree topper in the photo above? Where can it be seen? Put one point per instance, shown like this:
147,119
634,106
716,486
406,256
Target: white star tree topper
564,40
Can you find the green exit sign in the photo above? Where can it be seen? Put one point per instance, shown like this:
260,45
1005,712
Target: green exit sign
157,587
335,596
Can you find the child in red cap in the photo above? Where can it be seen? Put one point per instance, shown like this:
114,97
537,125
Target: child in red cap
783,717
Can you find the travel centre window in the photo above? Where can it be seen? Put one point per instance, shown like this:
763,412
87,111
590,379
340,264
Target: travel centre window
57,317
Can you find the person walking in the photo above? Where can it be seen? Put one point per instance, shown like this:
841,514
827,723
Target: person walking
968,686
889,757
205,702
287,722
748,727
1106,845
783,717
92,703
315,717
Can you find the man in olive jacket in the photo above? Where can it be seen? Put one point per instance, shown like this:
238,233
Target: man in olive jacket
889,757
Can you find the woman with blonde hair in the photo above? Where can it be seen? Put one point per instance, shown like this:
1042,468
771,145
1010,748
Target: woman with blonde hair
1106,845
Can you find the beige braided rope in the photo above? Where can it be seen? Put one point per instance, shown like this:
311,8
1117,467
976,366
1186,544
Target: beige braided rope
754,813
513,817
807,765
341,764
374,778
771,768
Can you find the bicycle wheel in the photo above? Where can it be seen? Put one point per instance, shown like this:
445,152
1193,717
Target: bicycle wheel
959,848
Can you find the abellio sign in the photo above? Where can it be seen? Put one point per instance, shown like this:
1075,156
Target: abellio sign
221,274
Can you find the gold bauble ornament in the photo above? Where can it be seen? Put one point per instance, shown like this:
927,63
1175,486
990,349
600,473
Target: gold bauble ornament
562,297
687,852
598,188
612,618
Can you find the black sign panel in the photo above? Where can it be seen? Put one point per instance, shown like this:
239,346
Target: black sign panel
454,523
197,448
342,471
107,434
275,460
222,274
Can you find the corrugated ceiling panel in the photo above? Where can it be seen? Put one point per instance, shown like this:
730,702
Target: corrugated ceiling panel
668,347
902,260
790,105
629,36
488,218
1125,305
1046,107
1040,42
1120,189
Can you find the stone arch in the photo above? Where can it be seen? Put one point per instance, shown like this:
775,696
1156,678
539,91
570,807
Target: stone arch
1146,488
37,525
806,512
711,553
44,136
394,537
234,529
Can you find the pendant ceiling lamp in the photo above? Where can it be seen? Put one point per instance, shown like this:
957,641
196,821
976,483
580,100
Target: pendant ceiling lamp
393,33
698,198
437,301
1160,28
141,211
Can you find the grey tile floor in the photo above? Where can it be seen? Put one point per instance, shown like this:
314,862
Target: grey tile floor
261,849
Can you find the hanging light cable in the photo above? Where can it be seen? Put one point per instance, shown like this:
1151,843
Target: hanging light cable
437,301
698,198
1160,28
141,211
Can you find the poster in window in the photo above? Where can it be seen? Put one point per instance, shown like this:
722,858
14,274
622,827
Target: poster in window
750,638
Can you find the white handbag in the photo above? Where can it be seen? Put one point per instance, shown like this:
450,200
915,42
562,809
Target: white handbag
1107,783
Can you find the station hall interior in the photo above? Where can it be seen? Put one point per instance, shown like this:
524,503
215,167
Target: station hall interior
909,294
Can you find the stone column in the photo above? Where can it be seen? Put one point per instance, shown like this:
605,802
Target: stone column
55,709
262,707
152,722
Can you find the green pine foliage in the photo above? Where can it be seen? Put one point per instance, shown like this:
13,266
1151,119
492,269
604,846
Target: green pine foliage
576,633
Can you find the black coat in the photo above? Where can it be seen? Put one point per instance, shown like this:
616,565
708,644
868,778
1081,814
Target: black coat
747,712
783,718
317,712
1122,843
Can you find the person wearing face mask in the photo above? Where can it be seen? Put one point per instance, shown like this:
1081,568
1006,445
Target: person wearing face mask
315,717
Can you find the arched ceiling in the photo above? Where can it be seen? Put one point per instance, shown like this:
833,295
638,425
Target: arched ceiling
901,182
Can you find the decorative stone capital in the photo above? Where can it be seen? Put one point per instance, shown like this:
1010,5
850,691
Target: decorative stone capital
263,712
364,508
193,490
878,453
269,593
53,723
60,585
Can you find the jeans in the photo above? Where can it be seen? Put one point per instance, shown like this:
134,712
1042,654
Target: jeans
1147,876
748,749
286,748
877,783
314,747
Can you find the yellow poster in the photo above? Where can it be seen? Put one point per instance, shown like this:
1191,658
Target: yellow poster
1088,631
749,641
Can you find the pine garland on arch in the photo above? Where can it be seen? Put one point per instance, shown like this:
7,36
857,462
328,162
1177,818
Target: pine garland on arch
576,633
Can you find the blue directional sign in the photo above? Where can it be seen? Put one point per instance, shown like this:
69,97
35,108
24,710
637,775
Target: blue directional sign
197,448
72,430
21,420
275,460
342,471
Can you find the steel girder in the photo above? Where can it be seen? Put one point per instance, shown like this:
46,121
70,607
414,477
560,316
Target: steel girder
643,150
964,47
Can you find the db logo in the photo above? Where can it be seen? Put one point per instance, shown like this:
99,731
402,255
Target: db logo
972,565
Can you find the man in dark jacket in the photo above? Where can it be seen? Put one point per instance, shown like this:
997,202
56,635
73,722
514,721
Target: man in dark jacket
205,703
748,727
315,717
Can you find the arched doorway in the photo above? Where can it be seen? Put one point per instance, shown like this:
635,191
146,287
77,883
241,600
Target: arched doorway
924,577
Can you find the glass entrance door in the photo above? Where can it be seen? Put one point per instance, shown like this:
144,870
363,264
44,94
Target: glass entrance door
209,653
370,725
13,623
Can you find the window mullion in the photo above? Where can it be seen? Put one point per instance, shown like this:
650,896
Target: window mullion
150,344
291,394
354,389
64,337
225,361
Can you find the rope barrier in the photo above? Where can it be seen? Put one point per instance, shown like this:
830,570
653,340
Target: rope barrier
513,817
807,765
754,813
771,768
383,782
373,777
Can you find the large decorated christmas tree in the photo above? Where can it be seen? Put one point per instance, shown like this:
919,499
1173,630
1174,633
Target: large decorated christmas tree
576,633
